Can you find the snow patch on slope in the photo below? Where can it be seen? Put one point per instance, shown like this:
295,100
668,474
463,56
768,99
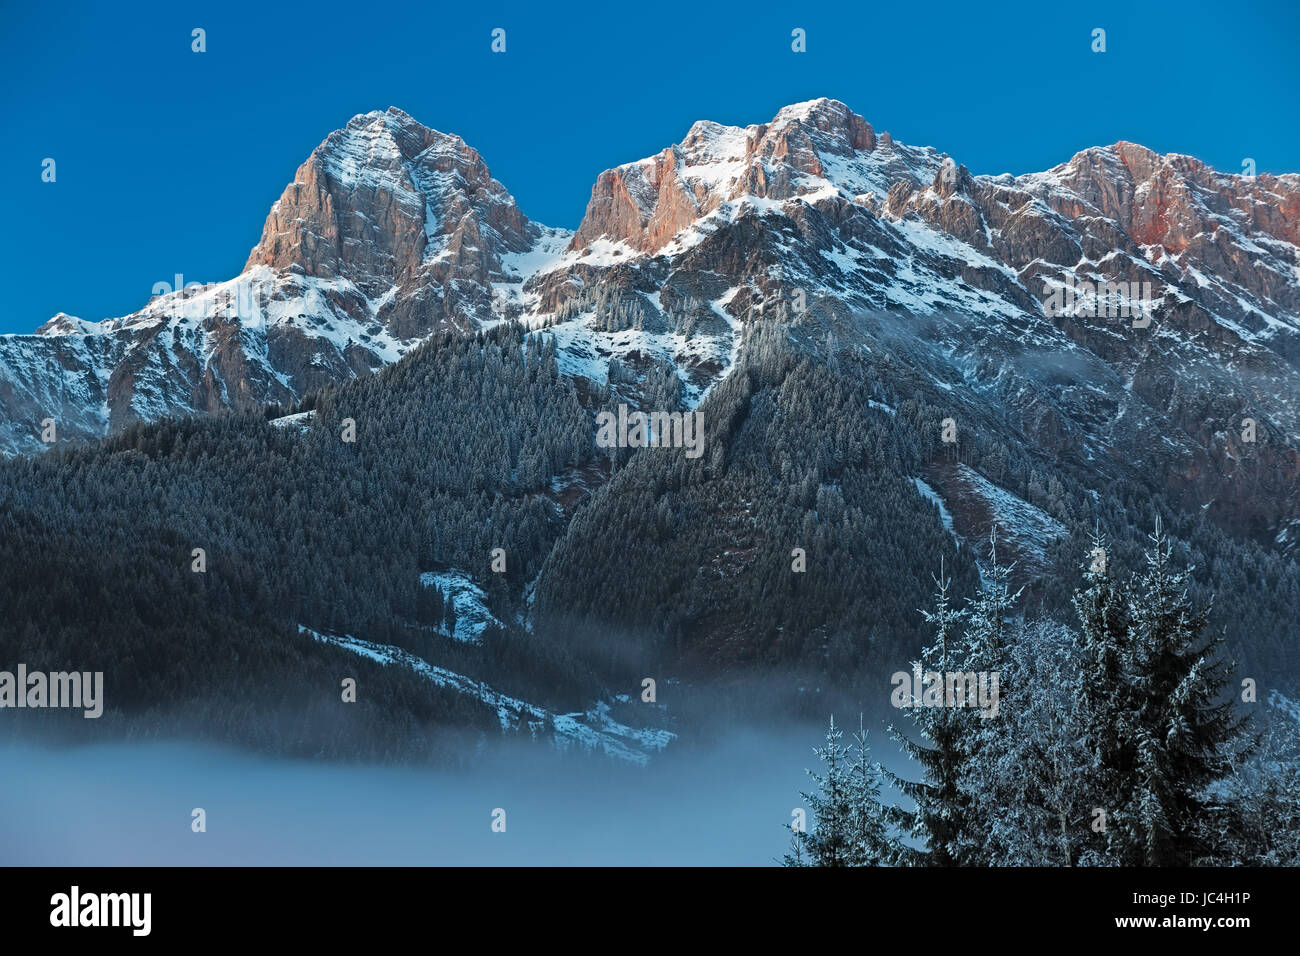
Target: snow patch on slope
469,600
592,730
932,496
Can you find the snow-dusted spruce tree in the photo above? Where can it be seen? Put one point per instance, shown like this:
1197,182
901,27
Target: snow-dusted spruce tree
987,616
848,825
1183,723
870,824
938,819
1103,698
1254,817
1128,716
1027,781
984,648
830,838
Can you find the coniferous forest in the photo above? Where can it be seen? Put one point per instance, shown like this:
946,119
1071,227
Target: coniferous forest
1117,743
1123,736
820,442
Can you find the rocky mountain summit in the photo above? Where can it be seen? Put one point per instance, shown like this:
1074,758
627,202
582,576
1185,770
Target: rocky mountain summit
390,231
863,250
864,246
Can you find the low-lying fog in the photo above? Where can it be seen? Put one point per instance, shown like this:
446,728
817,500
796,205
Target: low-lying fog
131,804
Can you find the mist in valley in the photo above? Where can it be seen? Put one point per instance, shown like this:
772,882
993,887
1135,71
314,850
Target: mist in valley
720,803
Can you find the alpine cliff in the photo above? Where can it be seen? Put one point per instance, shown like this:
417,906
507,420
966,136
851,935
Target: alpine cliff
382,435
391,231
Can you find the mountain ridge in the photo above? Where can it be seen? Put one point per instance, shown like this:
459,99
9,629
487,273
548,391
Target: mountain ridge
391,231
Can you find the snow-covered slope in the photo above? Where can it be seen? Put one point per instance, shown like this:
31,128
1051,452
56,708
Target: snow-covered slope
845,239
468,600
389,231
851,242
593,729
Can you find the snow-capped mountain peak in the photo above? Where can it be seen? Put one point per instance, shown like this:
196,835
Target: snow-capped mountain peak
391,230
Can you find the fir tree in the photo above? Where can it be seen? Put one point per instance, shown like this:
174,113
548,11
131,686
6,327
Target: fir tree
987,615
849,822
986,645
1028,788
938,818
831,840
1254,819
1182,725
1103,694
870,826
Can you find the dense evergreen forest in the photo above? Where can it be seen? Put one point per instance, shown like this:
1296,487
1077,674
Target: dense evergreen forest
698,553
1120,739
616,563
453,450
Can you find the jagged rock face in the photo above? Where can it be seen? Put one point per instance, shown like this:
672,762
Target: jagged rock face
902,249
647,204
391,230
1224,233
397,208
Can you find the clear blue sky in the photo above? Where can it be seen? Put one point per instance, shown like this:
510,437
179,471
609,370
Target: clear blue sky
168,160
